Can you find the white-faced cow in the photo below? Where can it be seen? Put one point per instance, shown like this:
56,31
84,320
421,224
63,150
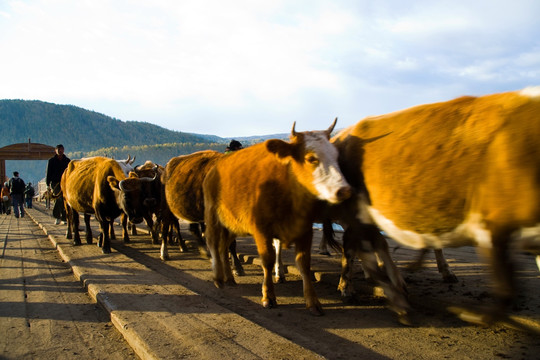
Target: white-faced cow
99,186
449,174
183,181
272,190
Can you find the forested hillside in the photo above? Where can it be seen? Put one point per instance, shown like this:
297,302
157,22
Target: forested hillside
87,133
79,129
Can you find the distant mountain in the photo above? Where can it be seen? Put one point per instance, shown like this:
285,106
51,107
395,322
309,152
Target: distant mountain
88,133
79,129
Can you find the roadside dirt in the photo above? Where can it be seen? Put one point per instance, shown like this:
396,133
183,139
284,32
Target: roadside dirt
363,329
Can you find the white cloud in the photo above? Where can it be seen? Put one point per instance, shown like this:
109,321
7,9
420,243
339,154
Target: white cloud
242,66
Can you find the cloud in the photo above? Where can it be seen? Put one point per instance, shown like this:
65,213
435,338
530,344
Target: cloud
249,67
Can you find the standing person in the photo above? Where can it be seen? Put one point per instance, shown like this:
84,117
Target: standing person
29,193
6,199
55,168
233,146
16,189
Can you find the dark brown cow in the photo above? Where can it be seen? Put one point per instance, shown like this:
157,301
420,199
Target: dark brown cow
99,186
183,181
272,190
462,172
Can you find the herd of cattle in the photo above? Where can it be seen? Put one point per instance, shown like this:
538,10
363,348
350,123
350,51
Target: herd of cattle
456,173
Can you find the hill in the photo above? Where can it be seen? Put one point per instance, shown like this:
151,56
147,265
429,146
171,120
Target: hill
88,133
79,129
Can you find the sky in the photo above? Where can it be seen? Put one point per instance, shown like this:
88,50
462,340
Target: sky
250,67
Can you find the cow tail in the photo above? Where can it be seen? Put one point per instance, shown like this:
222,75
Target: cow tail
329,237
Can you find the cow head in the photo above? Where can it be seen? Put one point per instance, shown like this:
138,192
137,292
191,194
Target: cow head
130,196
314,162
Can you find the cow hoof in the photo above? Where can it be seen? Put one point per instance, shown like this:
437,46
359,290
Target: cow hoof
126,241
219,284
316,311
239,271
405,320
89,241
279,279
183,249
269,303
77,243
164,258
231,282
326,252
450,279
69,236
106,250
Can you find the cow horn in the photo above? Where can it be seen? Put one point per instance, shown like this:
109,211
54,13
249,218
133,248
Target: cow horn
293,132
132,160
121,185
129,158
149,179
331,128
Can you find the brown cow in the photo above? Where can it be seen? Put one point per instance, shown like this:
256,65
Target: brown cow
99,186
462,172
272,190
183,181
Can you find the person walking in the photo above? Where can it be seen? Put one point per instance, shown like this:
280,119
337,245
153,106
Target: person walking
16,189
6,199
55,168
29,193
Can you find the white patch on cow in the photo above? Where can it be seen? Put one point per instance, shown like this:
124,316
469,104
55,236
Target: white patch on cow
529,239
327,176
531,91
471,233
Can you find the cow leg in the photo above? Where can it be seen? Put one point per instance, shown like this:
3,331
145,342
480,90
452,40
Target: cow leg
105,228
366,242
181,241
303,262
419,261
237,265
279,268
150,223
89,239
198,233
444,269
133,229
268,258
328,232
345,285
74,226
125,233
69,218
217,238
164,252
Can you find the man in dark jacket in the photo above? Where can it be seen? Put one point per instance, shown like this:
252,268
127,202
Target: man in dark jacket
16,189
55,168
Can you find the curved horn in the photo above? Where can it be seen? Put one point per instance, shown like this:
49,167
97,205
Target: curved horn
121,185
132,160
129,157
331,128
148,179
293,132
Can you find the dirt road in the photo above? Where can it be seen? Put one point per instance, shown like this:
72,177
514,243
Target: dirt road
45,312
176,310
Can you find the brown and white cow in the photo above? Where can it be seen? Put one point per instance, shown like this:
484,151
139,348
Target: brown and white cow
99,186
449,174
183,186
272,190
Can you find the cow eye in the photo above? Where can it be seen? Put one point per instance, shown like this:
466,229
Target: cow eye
312,159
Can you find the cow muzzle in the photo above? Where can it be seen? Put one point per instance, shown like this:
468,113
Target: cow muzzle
344,193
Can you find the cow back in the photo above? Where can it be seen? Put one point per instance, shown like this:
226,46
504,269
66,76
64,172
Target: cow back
183,180
428,168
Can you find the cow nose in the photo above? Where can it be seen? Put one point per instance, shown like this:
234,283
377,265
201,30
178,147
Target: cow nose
344,193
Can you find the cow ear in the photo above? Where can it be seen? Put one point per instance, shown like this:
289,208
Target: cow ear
283,150
133,174
113,182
